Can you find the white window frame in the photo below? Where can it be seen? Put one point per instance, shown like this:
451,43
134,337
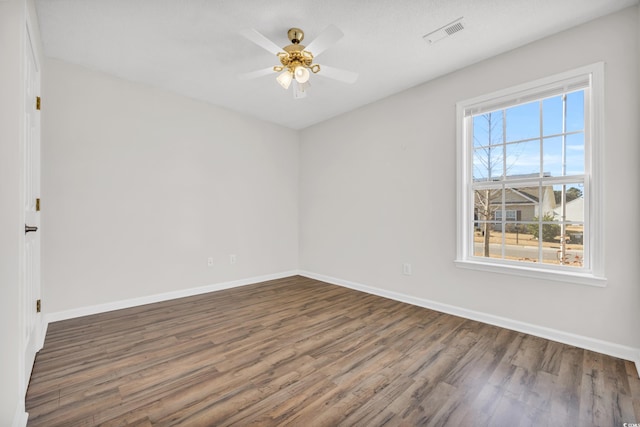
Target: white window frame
593,271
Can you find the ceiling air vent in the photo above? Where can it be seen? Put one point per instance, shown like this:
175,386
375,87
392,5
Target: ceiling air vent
445,31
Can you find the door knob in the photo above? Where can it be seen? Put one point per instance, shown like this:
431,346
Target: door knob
28,228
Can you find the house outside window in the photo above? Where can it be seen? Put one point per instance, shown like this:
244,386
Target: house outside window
509,215
530,180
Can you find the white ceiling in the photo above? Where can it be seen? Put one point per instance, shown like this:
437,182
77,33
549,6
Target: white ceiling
193,47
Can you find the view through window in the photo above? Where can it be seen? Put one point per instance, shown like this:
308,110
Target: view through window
529,178
528,181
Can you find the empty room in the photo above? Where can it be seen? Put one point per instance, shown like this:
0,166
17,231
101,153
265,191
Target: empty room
317,213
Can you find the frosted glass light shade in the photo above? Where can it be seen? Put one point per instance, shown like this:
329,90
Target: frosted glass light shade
300,89
285,79
301,74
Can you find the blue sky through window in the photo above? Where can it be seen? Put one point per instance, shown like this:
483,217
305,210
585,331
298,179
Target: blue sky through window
509,141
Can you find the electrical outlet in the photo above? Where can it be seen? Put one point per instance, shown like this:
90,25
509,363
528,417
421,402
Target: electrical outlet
210,261
406,269
233,258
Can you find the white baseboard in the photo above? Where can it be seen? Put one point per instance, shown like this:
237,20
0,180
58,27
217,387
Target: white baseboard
599,346
134,302
20,418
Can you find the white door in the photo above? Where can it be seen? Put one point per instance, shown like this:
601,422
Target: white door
30,278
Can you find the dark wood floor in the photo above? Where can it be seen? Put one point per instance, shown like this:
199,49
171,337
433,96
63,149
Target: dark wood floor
304,353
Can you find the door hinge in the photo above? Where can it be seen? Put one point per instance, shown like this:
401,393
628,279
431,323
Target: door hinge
37,103
38,306
38,204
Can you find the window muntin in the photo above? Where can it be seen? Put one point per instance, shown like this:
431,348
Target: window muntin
527,177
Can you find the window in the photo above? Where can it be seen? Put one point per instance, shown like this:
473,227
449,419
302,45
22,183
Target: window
529,179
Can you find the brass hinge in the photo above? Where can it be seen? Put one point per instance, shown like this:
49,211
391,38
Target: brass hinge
37,103
38,204
38,306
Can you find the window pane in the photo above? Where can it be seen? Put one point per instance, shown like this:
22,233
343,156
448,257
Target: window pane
567,246
575,111
574,149
520,245
523,158
573,208
570,256
575,233
552,116
552,157
523,201
487,163
547,234
487,129
486,202
523,121
478,238
487,240
575,154
549,231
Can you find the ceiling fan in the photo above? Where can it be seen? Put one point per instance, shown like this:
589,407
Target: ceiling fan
296,60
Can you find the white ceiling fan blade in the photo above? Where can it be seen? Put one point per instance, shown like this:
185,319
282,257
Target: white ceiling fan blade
261,41
256,73
325,39
338,74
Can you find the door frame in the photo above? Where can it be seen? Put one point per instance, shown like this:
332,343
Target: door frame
29,343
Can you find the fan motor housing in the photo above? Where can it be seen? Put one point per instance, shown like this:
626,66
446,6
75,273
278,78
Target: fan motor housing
296,35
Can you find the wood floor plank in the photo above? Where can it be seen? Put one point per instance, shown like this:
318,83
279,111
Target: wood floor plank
297,351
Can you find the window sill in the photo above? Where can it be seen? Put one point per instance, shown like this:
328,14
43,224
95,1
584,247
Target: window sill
562,276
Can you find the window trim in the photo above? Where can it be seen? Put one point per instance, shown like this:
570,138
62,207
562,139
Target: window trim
593,182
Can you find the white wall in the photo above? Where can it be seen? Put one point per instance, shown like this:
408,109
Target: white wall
141,186
378,188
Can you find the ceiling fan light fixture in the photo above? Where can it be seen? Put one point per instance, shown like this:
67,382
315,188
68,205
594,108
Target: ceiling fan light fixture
296,60
304,86
285,79
301,74
299,90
